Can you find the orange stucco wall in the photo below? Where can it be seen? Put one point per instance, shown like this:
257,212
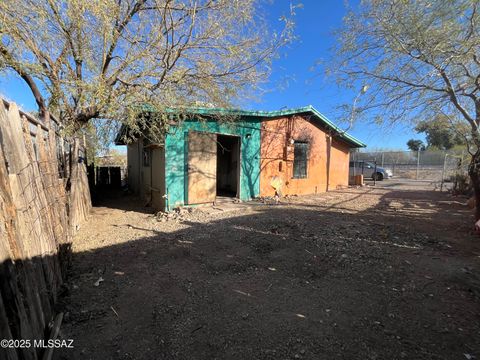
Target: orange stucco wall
277,153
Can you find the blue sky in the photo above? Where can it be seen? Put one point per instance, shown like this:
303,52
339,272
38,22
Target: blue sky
293,83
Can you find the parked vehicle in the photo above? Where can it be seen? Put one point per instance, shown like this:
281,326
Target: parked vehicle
369,170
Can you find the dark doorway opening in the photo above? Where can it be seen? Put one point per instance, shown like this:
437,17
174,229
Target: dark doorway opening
228,165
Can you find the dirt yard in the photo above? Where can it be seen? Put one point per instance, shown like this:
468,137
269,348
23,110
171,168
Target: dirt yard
354,274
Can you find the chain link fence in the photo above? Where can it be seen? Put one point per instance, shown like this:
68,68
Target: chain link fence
433,165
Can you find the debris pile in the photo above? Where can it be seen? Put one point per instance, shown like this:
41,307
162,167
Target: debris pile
179,213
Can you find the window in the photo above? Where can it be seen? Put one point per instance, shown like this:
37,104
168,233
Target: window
300,159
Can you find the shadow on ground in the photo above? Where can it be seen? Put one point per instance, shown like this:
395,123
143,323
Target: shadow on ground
306,280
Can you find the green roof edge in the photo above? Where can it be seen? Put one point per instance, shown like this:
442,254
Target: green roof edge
270,114
276,113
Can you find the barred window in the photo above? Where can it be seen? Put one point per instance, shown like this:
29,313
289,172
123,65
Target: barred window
300,159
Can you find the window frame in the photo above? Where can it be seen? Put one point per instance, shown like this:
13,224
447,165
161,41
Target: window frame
305,145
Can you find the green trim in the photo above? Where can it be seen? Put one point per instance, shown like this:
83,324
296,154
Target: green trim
322,119
272,114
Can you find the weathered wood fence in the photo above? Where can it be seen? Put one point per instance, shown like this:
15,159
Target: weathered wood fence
44,198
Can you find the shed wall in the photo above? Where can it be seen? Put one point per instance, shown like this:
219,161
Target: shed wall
176,157
158,178
145,175
133,164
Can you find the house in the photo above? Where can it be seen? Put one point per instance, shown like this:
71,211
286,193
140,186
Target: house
239,154
303,152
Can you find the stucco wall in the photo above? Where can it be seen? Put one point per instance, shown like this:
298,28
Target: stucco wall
339,165
176,156
277,154
145,177
158,178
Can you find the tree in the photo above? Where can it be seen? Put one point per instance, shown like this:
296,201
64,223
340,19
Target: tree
110,58
415,145
441,134
421,58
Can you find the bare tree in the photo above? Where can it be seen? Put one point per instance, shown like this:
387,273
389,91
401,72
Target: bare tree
421,58
112,58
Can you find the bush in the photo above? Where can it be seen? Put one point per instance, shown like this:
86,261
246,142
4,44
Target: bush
461,184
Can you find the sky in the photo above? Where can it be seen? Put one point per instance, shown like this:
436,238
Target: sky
293,83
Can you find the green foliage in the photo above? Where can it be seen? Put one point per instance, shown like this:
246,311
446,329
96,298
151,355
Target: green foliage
415,145
108,58
421,59
442,134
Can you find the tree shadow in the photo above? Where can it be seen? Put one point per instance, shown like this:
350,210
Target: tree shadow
277,282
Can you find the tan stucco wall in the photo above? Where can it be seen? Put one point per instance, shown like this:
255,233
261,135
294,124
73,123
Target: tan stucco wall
158,178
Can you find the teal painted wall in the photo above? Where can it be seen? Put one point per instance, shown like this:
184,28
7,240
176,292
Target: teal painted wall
176,156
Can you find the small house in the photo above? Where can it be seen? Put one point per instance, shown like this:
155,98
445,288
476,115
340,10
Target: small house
217,153
302,152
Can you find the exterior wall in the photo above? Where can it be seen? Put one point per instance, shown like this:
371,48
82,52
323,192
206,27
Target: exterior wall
133,163
158,178
145,177
277,154
339,165
148,182
176,157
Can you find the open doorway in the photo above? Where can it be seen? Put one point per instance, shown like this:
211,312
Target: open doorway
228,165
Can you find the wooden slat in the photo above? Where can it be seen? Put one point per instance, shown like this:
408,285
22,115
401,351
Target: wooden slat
34,226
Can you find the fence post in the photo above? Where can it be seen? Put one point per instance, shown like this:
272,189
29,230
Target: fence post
443,171
383,158
418,163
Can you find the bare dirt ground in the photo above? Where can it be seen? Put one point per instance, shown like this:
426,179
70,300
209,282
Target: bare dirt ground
369,273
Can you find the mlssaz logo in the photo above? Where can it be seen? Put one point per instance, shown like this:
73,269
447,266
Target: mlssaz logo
68,343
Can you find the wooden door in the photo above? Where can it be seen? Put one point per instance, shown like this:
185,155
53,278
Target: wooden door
202,167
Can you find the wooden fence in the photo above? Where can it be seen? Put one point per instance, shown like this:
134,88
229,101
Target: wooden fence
44,198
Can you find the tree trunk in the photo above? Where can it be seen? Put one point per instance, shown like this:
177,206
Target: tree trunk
474,173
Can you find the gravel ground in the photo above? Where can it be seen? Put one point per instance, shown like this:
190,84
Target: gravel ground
361,273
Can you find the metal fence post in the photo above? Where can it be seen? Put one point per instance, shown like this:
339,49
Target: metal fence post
443,171
418,164
383,158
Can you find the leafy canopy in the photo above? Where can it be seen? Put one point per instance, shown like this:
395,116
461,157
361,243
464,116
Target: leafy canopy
421,58
441,134
415,145
108,58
